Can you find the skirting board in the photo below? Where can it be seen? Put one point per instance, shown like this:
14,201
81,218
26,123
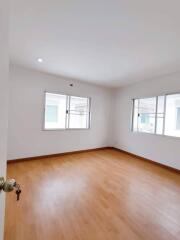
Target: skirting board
146,159
54,155
91,150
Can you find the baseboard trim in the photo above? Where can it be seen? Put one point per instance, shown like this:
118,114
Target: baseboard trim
54,155
91,150
147,160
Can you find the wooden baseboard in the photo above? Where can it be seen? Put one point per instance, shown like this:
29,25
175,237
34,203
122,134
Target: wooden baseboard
55,155
91,150
147,160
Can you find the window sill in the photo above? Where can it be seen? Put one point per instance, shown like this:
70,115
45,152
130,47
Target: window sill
64,129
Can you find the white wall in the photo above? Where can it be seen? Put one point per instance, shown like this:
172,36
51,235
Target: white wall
26,138
165,150
3,100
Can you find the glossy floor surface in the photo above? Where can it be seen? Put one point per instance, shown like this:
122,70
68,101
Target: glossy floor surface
98,195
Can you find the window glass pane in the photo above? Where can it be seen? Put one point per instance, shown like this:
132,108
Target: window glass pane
79,112
172,121
79,104
160,115
146,115
78,120
51,113
160,108
147,105
178,119
135,115
160,123
146,123
55,111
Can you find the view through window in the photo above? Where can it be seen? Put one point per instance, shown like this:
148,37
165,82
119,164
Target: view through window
157,115
64,112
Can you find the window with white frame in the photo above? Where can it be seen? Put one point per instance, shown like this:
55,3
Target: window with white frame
144,115
78,112
66,112
149,115
157,115
172,120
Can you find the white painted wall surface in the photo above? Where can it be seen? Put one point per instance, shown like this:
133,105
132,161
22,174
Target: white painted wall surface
3,100
162,149
26,138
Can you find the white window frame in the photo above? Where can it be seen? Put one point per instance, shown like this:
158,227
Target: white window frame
67,112
156,113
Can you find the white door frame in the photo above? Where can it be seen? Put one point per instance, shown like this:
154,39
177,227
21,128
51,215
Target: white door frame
4,70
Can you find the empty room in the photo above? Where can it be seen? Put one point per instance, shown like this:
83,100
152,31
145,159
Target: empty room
89,120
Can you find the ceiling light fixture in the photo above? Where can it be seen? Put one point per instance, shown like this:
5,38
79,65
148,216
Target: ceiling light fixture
40,60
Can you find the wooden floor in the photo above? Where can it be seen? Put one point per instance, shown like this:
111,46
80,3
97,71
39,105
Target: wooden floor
100,195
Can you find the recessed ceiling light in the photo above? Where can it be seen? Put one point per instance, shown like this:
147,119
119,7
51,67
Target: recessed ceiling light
40,60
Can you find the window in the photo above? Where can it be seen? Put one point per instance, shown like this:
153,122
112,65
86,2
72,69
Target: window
65,112
172,122
158,115
78,112
146,115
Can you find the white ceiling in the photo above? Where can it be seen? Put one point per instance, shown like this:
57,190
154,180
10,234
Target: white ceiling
107,42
